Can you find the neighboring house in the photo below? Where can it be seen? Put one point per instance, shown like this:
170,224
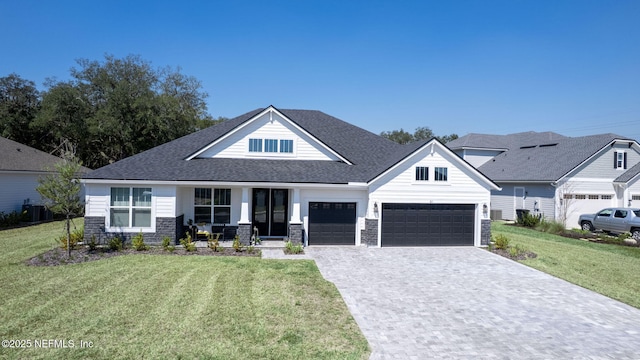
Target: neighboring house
300,174
557,176
20,168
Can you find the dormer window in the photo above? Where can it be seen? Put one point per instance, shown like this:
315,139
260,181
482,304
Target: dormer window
255,145
286,146
270,145
619,160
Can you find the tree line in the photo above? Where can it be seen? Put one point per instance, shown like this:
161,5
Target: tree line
421,133
107,111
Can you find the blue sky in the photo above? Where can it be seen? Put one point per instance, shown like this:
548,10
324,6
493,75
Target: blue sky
455,66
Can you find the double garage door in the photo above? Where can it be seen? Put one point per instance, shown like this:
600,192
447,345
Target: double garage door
428,224
332,223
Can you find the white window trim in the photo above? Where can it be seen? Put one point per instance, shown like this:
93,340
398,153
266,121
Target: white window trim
131,229
213,206
271,155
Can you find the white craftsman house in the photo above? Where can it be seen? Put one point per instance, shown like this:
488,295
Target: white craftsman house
557,176
299,174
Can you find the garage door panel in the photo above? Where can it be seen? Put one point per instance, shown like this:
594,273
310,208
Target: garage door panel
332,223
428,224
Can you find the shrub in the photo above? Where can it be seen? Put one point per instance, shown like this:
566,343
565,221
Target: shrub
171,248
251,249
237,245
188,243
138,242
291,248
529,220
77,236
214,244
166,242
501,242
115,244
93,245
13,218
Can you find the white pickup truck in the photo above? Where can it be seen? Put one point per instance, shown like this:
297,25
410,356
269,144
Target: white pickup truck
615,220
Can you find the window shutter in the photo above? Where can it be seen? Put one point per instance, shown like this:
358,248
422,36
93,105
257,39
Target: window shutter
615,159
625,161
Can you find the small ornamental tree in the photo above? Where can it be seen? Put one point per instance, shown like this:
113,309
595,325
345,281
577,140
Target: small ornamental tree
61,191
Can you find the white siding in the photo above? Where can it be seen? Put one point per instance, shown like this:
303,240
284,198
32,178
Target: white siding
237,145
97,200
165,201
15,188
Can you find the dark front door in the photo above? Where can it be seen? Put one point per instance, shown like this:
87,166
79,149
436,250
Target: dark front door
270,211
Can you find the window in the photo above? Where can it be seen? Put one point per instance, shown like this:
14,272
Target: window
606,197
202,202
422,173
580,197
619,160
441,174
255,145
270,145
593,197
568,196
219,206
605,213
635,197
130,207
286,146
620,214
222,206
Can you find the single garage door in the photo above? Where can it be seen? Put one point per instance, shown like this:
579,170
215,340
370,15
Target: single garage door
332,223
427,224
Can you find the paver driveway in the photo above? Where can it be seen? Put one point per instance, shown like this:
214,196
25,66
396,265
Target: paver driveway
422,303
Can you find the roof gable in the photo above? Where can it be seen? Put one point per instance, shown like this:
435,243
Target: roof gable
273,125
417,151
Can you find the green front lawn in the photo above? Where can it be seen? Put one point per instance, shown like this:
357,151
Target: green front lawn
611,270
157,306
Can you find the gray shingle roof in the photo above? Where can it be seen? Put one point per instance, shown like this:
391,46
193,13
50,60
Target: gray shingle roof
629,174
533,156
19,157
367,151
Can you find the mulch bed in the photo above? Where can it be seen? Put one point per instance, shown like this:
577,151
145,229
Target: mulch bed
59,256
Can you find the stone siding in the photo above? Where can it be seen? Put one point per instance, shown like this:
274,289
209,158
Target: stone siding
295,234
485,232
244,233
95,225
369,236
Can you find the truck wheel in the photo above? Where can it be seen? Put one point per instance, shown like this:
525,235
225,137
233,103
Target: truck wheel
586,226
635,234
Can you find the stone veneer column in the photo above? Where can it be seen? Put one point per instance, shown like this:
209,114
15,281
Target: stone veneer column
369,236
94,225
485,232
244,233
295,234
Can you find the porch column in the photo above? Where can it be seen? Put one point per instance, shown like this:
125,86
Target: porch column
244,208
244,224
295,210
295,223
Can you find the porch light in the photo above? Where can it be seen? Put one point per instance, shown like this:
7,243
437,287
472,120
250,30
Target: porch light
375,207
485,210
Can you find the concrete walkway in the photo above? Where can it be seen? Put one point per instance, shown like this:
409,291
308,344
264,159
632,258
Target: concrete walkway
466,303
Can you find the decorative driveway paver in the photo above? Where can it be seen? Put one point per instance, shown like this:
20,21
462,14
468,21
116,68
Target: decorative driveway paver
467,303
